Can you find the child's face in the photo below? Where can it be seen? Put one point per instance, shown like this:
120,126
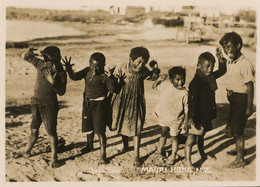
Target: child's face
95,67
206,67
178,81
231,50
137,64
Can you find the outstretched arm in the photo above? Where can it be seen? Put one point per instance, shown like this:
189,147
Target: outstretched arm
161,78
30,57
74,75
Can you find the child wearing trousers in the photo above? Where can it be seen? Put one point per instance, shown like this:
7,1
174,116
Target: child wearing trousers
172,109
201,102
95,103
240,92
51,80
128,104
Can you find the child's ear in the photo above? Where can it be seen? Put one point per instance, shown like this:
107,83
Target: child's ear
198,65
238,46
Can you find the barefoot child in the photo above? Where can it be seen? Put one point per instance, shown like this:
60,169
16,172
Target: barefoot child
201,102
95,104
240,92
172,109
129,104
51,80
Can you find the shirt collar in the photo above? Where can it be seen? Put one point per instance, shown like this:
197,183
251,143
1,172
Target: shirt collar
237,60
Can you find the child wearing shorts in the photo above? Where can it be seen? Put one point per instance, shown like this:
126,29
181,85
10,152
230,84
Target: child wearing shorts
240,92
95,102
51,80
201,102
172,109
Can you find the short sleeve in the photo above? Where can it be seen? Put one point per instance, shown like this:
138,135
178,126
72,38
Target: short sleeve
248,73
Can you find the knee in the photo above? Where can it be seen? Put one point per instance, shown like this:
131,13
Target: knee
165,131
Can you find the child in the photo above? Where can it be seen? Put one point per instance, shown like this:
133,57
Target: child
156,71
240,92
172,109
95,104
51,80
129,104
201,102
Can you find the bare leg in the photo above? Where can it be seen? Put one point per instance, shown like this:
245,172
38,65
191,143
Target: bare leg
137,140
162,140
89,147
102,141
125,144
31,141
188,148
90,138
240,143
175,145
54,143
201,147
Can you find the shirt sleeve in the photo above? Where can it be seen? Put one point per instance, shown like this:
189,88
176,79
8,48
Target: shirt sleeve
222,69
78,75
60,83
30,57
248,73
193,99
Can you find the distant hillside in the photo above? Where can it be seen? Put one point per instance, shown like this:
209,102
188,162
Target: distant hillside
98,16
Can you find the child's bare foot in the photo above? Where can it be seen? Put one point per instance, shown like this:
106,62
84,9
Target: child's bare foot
171,160
237,164
103,161
87,149
208,156
123,150
189,165
56,164
22,154
233,152
137,162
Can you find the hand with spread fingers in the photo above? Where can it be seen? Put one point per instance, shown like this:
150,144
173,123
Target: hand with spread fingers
67,63
49,77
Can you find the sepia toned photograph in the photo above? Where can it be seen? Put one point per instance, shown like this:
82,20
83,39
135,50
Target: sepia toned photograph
136,92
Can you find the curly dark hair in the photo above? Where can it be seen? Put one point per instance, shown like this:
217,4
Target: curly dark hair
233,38
177,70
140,52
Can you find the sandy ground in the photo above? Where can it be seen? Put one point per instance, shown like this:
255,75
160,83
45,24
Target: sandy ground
20,79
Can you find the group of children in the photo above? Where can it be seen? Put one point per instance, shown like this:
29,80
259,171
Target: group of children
116,98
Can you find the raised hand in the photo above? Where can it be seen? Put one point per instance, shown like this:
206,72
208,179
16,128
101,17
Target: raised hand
67,63
49,77
32,49
219,55
109,71
120,76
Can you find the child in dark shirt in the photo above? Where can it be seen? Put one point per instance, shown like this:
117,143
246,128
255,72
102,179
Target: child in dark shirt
51,80
95,102
201,102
